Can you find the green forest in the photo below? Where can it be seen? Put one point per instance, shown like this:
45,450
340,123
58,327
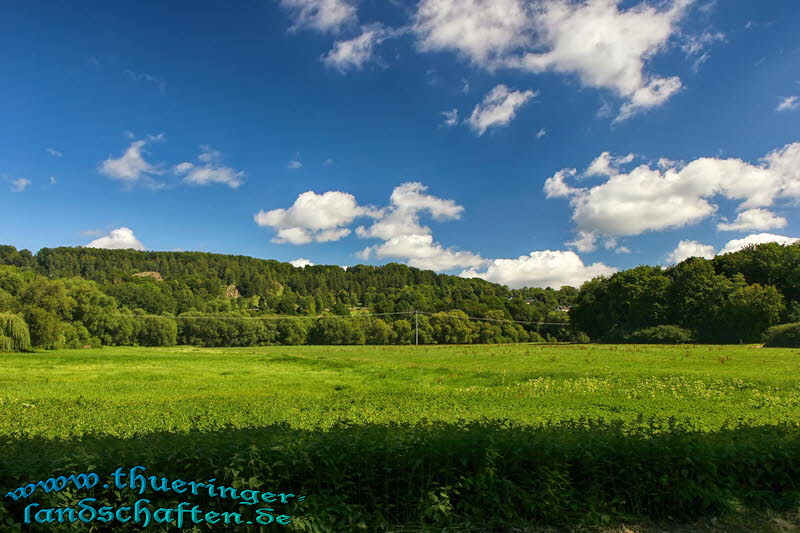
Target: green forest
78,297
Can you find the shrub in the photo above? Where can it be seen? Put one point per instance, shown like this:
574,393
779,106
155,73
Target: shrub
785,335
437,477
662,335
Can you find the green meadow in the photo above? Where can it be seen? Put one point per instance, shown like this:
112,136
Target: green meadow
124,391
427,438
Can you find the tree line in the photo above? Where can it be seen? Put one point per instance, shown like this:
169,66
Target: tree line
729,299
72,297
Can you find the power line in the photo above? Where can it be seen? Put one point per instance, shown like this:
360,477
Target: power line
501,320
220,317
361,315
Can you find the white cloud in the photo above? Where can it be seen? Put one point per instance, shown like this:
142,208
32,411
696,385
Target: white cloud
754,219
328,162
313,216
498,108
20,184
480,30
301,262
183,168
584,242
131,167
605,46
607,165
540,269
294,164
402,217
687,249
758,238
353,54
420,251
450,117
320,15
695,46
789,103
53,152
404,236
210,170
52,180
541,133
320,217
653,199
118,239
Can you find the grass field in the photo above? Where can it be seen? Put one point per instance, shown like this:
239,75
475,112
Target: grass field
124,391
478,438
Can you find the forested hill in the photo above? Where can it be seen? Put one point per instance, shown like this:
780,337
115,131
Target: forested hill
270,283
72,296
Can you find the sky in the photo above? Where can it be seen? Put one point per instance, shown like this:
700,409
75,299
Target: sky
526,142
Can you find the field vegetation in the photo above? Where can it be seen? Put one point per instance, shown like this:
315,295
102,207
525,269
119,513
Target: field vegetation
253,372
429,437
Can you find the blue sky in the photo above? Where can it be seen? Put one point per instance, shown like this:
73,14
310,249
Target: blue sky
438,133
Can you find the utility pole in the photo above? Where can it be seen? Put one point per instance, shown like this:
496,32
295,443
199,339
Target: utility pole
416,327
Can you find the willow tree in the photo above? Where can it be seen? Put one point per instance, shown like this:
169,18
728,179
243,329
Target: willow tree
14,334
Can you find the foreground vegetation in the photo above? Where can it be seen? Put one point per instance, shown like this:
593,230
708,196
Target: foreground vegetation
434,437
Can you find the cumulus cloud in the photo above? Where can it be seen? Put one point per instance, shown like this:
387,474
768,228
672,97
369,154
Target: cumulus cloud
789,103
607,165
754,219
498,108
406,238
209,170
314,217
545,268
118,239
20,184
320,217
483,31
131,167
321,15
301,262
541,133
420,251
586,241
758,238
407,201
353,54
687,249
294,164
54,152
653,199
605,46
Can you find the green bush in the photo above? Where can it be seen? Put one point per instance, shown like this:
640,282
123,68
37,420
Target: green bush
662,335
488,476
785,335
